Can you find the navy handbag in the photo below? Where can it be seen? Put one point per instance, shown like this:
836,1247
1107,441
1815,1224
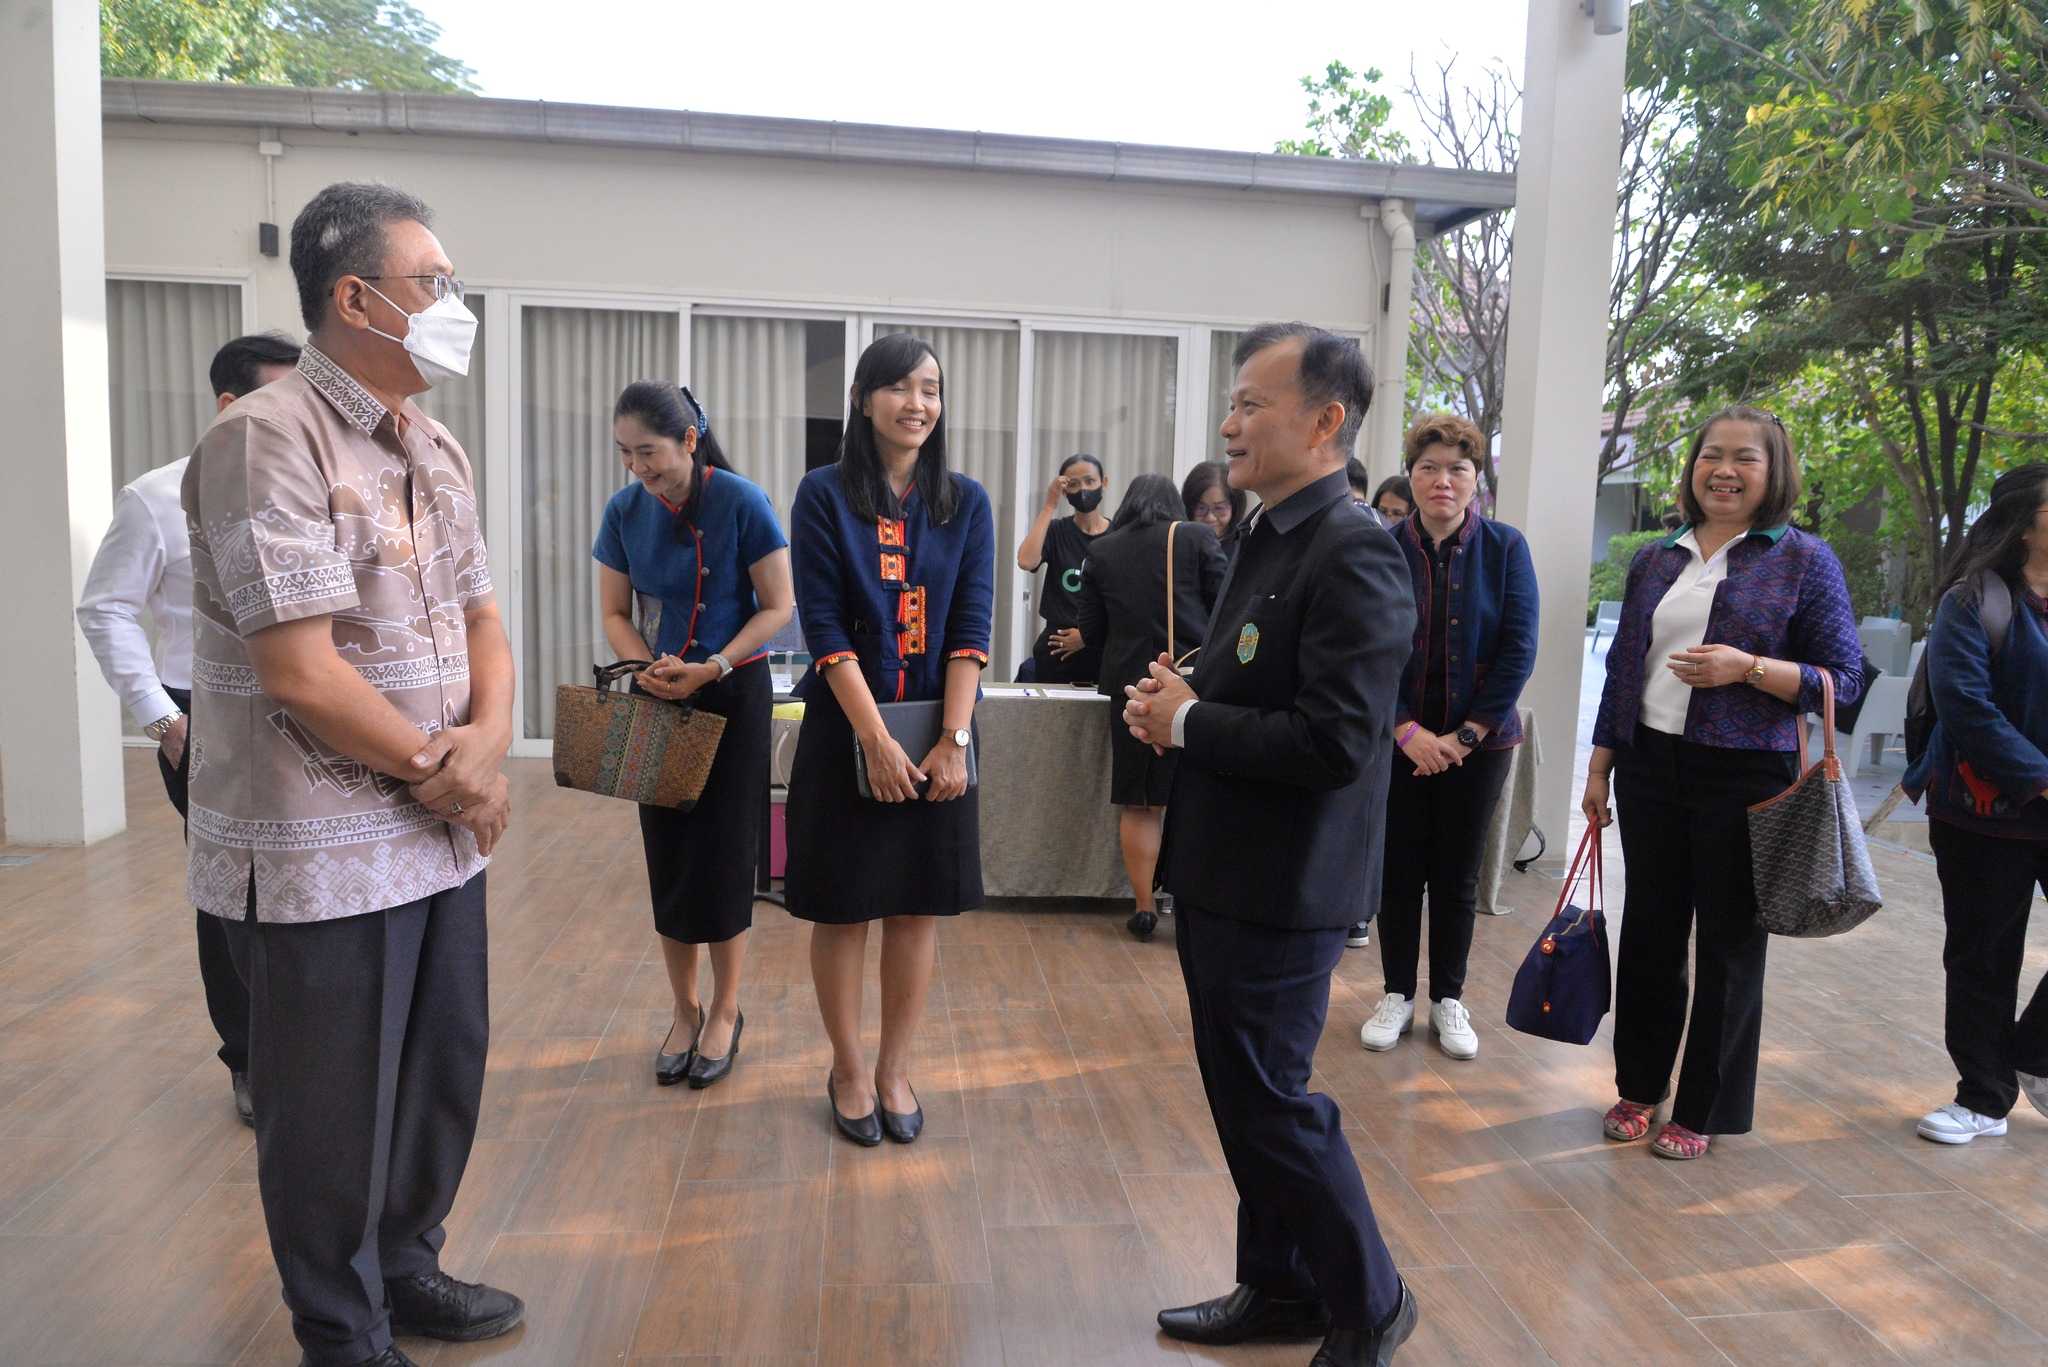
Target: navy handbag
1565,984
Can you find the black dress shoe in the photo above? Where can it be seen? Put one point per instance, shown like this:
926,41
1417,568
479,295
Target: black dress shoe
437,1306
1370,1347
669,1069
904,1129
705,1071
245,1100
1243,1315
390,1357
866,1131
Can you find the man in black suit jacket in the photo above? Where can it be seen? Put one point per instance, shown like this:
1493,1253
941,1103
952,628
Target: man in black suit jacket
1273,843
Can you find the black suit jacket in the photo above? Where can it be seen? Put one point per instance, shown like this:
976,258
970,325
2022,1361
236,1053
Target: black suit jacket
1122,603
1278,810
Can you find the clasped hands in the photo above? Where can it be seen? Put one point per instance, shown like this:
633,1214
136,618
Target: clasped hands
1433,754
1155,701
672,680
462,782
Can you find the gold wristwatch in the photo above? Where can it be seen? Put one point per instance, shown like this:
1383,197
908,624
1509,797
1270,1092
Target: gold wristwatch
1755,677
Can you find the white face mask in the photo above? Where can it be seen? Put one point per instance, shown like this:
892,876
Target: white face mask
439,338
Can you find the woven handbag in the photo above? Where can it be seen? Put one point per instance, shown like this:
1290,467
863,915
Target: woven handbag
1566,982
627,745
1813,873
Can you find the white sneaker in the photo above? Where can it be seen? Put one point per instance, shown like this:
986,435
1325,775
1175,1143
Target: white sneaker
1453,1027
1953,1124
1359,936
1393,1018
2036,1090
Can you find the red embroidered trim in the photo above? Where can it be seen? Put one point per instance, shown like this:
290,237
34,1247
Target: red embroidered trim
889,531
893,566
969,655
837,657
910,612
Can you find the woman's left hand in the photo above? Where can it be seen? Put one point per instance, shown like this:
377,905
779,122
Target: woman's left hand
1064,643
946,767
1711,666
684,679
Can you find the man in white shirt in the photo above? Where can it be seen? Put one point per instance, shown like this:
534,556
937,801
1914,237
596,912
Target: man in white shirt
145,564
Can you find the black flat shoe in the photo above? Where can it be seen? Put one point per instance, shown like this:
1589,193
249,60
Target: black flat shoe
866,1131
669,1069
705,1071
1244,1315
904,1129
245,1100
1370,1347
1142,924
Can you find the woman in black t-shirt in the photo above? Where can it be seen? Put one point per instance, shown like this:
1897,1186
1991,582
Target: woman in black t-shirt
1060,545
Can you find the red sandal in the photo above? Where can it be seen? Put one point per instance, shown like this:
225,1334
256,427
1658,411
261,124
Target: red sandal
1676,1141
1627,1122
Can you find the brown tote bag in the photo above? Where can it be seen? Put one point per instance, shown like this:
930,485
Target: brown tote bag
638,748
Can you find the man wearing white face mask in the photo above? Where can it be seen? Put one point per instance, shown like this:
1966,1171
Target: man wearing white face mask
352,705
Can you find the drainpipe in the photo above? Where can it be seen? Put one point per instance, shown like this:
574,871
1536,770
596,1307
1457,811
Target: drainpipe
1389,401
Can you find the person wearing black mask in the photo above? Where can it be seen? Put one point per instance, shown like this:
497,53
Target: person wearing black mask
1059,545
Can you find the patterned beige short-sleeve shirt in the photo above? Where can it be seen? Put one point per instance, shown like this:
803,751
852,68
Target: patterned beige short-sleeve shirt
304,499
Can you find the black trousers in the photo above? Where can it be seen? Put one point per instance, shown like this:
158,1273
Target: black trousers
227,997
1436,837
1987,891
1305,1229
367,1044
1683,810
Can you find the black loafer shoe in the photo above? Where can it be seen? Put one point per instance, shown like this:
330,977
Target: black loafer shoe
866,1131
1370,1348
705,1071
904,1129
669,1069
437,1306
245,1100
1243,1315
390,1357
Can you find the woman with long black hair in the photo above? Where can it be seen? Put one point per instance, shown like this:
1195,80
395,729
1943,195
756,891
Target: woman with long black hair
693,575
1122,614
895,585
1985,775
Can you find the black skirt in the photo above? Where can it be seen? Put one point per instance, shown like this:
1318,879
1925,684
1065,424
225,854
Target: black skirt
1137,776
852,859
701,863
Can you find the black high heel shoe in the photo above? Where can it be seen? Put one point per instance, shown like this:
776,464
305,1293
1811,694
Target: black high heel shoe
669,1069
865,1131
705,1071
904,1129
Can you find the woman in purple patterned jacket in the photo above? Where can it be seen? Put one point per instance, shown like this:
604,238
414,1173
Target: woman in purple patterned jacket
1725,629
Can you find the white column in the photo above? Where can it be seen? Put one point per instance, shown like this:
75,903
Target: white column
1388,418
1556,358
60,749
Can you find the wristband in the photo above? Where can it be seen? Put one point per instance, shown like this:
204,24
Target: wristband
724,665
1401,741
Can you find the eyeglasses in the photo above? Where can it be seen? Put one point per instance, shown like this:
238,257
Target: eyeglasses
445,286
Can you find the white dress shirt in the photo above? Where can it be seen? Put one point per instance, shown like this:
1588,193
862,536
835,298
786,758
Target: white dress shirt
1680,623
145,562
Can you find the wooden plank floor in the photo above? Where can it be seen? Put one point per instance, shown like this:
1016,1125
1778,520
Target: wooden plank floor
1069,1183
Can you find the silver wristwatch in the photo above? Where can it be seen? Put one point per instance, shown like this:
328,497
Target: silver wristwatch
161,727
963,738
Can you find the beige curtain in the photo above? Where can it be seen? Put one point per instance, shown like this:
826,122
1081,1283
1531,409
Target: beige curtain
575,362
1221,375
750,374
980,366
458,405
161,336
1109,395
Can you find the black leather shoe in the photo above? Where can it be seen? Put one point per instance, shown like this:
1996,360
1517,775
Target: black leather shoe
437,1306
1142,924
904,1129
866,1131
390,1357
1374,1347
705,1071
1243,1315
669,1069
245,1100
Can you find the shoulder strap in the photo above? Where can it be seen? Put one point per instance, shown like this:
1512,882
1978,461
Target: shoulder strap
1171,528
1994,609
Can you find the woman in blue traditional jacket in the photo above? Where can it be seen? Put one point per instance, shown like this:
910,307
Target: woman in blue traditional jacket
895,586
693,575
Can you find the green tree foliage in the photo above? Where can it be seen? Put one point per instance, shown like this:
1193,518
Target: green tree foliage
331,44
1921,118
1347,117
1610,576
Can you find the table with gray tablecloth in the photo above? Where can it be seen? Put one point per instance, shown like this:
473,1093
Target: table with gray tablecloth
1047,827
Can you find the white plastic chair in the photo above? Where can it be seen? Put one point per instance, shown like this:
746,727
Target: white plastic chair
1883,715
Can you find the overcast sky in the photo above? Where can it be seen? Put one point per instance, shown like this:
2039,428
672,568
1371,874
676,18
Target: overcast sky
1115,70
